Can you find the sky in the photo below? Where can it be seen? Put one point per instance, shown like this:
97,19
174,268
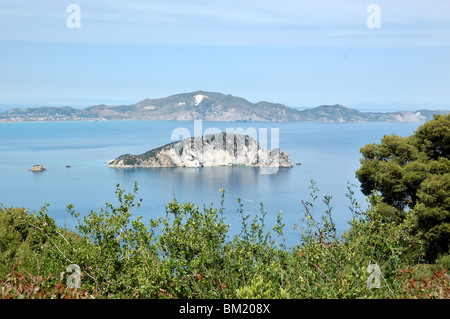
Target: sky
377,55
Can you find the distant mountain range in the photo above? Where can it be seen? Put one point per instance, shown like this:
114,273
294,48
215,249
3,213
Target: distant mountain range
211,106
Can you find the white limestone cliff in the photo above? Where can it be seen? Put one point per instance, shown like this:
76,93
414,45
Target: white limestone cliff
221,149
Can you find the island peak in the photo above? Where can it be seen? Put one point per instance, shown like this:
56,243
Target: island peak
220,149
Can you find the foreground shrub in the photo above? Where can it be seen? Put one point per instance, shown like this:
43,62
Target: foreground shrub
189,253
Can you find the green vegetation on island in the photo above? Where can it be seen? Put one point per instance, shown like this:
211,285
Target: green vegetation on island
220,149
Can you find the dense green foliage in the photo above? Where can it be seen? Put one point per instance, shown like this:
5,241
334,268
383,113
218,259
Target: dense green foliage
189,253
412,175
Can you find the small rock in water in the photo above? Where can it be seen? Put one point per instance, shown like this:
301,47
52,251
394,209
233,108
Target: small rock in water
37,168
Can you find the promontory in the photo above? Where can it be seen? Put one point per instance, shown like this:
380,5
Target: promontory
220,149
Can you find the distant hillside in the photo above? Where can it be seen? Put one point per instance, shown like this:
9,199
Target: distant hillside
210,106
339,113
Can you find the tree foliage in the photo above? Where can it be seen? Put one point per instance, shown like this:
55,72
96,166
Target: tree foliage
412,175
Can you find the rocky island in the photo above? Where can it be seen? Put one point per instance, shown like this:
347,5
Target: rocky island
221,149
37,168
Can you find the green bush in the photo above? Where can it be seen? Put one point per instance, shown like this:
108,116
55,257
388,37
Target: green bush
189,253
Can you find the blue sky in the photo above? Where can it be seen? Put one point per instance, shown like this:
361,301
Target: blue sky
299,53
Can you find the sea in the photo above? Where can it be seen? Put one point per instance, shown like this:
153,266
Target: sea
76,154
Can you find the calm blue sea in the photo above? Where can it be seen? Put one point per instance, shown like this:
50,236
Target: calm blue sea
328,152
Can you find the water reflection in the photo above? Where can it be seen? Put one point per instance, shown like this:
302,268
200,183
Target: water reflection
207,180
201,186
